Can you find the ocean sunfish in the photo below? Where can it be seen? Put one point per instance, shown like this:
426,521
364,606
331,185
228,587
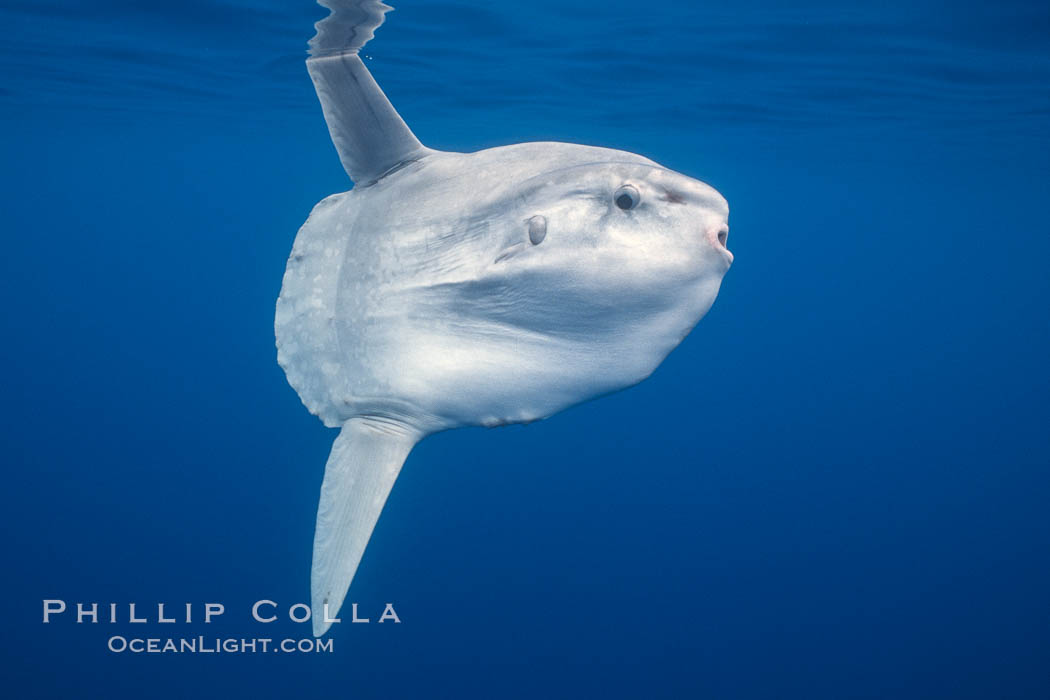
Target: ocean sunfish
463,289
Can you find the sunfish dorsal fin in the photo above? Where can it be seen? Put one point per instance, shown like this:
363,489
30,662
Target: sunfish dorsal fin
362,468
369,134
367,131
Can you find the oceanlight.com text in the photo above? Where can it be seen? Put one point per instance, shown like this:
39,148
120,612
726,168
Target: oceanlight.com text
216,645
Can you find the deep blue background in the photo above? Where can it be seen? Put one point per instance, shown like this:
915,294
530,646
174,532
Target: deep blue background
836,487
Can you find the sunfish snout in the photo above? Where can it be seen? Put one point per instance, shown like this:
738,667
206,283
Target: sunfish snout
714,212
717,236
712,207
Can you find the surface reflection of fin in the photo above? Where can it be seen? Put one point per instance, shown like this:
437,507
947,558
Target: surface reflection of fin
350,26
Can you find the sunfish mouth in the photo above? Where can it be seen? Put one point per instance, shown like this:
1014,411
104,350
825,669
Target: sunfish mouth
717,237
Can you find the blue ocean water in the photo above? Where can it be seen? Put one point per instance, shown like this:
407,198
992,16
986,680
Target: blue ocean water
835,488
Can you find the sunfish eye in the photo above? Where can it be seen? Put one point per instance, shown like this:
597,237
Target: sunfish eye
537,229
626,197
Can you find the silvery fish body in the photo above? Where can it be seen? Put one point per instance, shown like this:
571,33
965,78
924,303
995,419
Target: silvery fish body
455,289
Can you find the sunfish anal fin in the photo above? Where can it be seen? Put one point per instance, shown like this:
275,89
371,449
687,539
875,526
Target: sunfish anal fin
362,467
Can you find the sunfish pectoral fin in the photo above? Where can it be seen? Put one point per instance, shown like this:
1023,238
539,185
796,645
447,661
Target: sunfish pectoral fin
367,131
362,467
